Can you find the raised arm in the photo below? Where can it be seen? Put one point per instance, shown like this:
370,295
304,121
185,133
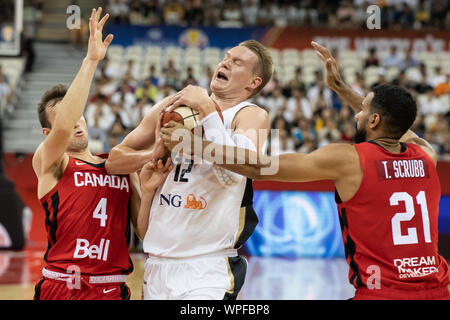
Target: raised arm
348,95
334,80
71,108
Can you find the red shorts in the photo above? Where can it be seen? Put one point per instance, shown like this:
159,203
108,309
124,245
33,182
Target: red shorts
364,293
51,289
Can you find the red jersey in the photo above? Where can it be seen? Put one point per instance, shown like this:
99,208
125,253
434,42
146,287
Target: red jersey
87,221
390,226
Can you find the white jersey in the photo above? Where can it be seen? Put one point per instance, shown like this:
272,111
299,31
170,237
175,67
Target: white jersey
192,214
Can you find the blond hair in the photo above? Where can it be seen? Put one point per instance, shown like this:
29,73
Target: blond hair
264,67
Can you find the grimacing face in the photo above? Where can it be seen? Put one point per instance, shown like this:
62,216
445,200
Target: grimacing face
79,138
235,72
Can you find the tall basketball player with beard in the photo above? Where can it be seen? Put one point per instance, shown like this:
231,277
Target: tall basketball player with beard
202,213
87,211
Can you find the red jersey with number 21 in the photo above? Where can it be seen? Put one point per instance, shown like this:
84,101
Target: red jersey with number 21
87,221
390,226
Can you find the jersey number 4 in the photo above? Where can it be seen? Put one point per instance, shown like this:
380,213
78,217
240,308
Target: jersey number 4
411,236
100,212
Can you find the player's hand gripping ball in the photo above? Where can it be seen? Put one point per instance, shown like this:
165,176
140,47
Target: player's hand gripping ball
188,117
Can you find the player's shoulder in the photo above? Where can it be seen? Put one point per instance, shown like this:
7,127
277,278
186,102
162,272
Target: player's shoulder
252,115
425,146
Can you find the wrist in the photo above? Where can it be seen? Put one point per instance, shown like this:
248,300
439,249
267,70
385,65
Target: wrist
208,108
90,63
148,194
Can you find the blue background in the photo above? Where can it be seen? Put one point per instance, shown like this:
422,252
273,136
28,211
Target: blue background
127,35
295,224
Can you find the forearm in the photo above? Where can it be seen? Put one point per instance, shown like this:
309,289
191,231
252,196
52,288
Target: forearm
239,160
144,213
135,201
125,160
348,95
72,105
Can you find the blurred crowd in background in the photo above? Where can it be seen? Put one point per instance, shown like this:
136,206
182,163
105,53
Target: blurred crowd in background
340,14
322,13
308,115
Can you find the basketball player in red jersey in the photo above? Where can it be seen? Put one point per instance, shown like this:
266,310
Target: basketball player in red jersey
387,192
86,210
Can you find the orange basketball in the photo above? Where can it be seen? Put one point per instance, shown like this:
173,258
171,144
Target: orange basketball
187,116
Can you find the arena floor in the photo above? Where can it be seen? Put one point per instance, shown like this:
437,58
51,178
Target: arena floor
267,278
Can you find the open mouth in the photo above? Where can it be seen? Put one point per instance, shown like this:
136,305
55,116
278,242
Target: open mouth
222,76
78,133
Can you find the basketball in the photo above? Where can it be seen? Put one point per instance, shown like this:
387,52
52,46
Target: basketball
187,116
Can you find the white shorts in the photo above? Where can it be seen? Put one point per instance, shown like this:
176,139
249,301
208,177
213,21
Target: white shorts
206,278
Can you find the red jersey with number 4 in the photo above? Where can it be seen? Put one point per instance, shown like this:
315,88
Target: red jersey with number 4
390,226
87,221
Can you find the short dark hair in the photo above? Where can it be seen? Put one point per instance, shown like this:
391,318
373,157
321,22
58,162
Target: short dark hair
397,107
50,98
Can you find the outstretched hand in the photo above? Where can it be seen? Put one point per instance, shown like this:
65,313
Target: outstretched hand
97,47
333,77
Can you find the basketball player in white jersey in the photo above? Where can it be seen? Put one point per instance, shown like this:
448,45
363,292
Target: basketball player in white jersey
202,214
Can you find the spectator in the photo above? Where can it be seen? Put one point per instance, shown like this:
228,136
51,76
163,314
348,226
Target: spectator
302,132
119,10
250,12
97,130
206,79
231,15
190,79
110,70
154,80
409,61
318,94
152,12
170,76
359,85
438,14
124,94
143,106
422,86
98,115
164,91
437,78
130,71
346,14
372,59
297,81
430,105
284,144
405,17
117,132
147,90
276,101
194,13
381,79
173,13
265,13
297,105
422,16
393,59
